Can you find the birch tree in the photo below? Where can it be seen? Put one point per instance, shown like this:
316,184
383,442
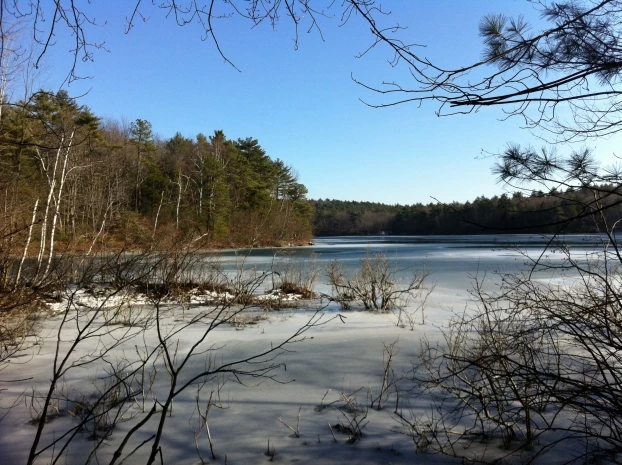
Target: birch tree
60,126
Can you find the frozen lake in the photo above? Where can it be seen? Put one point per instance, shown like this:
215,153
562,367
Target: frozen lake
453,261
341,358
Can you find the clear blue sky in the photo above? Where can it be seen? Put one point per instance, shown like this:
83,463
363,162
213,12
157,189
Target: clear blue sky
301,104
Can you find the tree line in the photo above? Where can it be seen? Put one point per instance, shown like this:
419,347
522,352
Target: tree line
66,175
570,211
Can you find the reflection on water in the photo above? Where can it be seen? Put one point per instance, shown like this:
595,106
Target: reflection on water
454,261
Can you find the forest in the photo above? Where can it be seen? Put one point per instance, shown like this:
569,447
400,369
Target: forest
71,177
570,211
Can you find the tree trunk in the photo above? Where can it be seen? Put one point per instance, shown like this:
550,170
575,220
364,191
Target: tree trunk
32,223
63,178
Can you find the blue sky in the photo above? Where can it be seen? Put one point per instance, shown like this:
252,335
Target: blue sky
302,105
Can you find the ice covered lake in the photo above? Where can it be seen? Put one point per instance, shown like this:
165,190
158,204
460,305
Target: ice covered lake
344,357
454,262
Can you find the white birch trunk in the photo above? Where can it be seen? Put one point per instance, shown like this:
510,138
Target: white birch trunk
52,184
178,200
21,263
155,225
63,178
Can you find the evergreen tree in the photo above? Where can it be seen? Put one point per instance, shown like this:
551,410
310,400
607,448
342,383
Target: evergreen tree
142,139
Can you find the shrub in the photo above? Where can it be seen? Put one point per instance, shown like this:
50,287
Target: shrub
375,286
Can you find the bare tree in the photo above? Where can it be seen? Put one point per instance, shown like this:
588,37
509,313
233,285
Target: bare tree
535,366
151,354
44,21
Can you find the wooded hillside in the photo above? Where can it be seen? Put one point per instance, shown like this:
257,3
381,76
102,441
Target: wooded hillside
569,212
67,175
